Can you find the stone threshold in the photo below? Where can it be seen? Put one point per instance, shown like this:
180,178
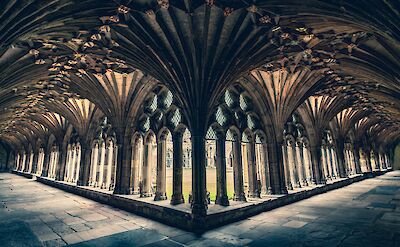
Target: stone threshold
181,217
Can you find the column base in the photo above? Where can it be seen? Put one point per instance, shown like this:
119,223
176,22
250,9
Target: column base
253,195
146,194
160,196
177,199
82,183
199,210
122,191
223,201
241,197
289,186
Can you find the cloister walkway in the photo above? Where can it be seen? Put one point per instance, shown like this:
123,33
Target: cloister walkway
366,213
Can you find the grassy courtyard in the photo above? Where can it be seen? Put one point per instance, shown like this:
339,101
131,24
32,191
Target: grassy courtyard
211,182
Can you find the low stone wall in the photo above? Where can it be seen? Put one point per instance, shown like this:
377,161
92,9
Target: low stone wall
185,220
27,175
163,214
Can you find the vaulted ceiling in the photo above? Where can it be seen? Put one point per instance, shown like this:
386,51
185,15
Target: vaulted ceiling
320,53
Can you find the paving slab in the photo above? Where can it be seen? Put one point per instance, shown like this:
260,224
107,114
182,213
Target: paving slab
364,214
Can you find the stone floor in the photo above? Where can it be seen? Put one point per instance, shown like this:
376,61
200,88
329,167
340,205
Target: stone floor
366,213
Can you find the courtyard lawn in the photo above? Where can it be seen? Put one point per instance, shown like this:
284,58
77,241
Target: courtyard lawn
211,182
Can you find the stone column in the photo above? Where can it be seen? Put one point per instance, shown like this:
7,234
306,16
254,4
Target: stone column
161,189
286,165
67,169
23,163
113,178
101,165
300,164
78,163
46,163
222,195
329,162
367,155
73,164
62,163
110,162
252,169
122,173
35,162
340,158
84,166
324,162
352,161
307,162
265,167
30,162
106,165
93,165
199,202
135,168
291,153
239,194
17,158
27,163
177,169
147,162
383,162
387,161
335,168
357,160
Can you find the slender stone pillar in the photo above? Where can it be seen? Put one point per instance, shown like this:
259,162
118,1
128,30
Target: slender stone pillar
46,163
27,162
300,164
199,202
177,169
84,166
367,155
265,167
238,171
307,162
341,161
122,154
329,162
325,163
35,162
352,161
62,163
387,162
252,169
291,153
110,167
73,164
135,167
335,171
161,189
94,164
222,195
106,165
357,163
102,164
286,164
23,161
146,186
383,162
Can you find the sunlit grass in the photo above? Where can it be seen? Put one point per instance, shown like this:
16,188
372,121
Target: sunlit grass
211,183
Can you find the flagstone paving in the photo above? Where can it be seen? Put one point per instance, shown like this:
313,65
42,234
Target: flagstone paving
366,213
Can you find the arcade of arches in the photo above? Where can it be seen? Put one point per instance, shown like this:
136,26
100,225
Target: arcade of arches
199,102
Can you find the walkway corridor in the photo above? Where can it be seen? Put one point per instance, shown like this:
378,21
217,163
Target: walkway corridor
366,213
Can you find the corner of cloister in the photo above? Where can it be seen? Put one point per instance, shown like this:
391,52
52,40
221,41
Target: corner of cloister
199,113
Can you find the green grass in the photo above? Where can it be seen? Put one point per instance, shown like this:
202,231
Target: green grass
211,183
